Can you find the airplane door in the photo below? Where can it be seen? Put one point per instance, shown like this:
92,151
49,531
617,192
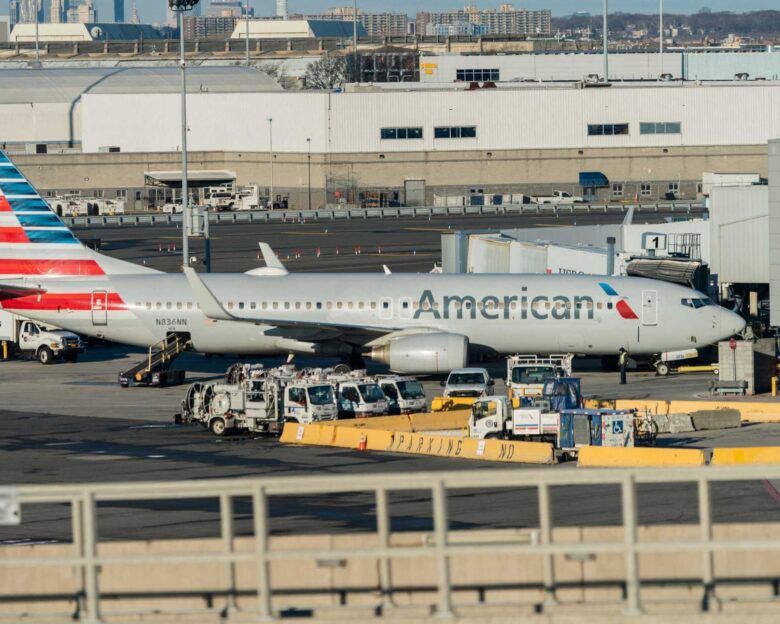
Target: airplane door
649,307
99,307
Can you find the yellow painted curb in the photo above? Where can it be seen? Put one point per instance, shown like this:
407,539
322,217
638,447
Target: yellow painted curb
419,443
750,411
754,455
608,457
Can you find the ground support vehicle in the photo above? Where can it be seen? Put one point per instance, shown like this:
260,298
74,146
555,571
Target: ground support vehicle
259,401
35,340
359,396
526,375
405,395
468,383
558,198
670,362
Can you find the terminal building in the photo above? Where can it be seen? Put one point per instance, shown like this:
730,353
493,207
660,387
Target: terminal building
645,141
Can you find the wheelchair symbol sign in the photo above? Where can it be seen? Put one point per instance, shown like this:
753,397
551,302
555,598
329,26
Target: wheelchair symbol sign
617,426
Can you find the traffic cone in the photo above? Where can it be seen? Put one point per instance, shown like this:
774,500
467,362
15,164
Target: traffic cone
363,442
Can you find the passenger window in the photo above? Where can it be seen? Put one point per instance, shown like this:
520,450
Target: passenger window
308,305
252,305
189,305
339,305
148,305
297,305
373,305
286,305
158,305
329,305
138,304
349,305
240,305
319,305
609,305
265,305
230,305
361,305
168,305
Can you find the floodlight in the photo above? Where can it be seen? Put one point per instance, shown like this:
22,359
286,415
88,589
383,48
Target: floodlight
182,5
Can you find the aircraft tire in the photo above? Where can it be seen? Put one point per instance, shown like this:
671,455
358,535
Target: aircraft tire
342,369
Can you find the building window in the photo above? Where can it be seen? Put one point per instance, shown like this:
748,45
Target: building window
401,133
477,75
660,127
617,189
121,194
645,190
607,129
457,132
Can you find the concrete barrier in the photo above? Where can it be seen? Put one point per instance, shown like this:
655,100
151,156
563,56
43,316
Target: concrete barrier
754,455
419,443
448,404
749,411
608,457
716,419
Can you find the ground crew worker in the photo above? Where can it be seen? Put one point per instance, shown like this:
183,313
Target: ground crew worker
623,363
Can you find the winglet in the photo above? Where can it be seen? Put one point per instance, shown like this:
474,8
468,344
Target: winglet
387,269
271,259
205,299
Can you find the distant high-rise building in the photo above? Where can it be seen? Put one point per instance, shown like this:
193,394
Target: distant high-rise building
281,9
227,8
504,21
134,19
57,12
199,27
83,13
376,24
119,11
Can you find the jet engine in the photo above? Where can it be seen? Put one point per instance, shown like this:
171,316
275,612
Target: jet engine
423,353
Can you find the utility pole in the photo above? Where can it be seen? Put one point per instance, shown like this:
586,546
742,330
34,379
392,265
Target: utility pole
246,16
355,76
660,38
180,6
308,156
271,157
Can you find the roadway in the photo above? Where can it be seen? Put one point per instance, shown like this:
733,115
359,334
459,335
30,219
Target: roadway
409,245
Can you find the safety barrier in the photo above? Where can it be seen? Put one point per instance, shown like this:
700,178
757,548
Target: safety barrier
750,455
428,421
260,571
418,443
448,404
268,216
638,457
750,411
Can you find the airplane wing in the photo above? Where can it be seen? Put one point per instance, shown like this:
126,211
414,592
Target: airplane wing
10,290
213,309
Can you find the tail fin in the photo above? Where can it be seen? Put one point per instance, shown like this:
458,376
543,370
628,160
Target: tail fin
35,242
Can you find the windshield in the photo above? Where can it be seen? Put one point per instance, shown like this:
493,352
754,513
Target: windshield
371,393
697,302
411,389
532,374
465,378
320,395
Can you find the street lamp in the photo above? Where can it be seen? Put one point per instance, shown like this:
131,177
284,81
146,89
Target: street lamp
605,28
355,76
308,156
180,6
271,156
661,38
246,15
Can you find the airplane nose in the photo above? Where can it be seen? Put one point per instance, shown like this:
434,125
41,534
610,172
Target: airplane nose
731,323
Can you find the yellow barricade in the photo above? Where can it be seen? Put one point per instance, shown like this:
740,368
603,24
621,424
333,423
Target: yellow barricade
448,404
750,411
755,455
437,421
419,443
619,457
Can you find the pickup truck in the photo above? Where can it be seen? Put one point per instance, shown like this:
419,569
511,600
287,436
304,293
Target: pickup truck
468,382
36,340
559,198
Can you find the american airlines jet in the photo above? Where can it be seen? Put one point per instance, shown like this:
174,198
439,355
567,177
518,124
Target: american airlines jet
414,323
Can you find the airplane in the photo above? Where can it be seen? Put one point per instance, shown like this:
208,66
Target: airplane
414,323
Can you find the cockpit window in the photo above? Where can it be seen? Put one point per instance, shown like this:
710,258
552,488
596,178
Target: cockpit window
697,302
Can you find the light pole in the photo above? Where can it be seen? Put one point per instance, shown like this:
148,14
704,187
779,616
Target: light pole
271,156
606,51
660,38
180,6
37,19
354,43
246,15
308,157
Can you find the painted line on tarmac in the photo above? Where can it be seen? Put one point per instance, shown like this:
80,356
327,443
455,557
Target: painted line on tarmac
770,489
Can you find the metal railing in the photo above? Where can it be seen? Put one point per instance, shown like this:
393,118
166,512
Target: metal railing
83,500
332,214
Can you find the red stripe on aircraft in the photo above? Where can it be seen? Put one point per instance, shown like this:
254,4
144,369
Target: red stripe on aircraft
625,310
65,301
50,267
13,235
4,205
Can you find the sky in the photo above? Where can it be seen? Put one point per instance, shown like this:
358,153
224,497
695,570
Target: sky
154,10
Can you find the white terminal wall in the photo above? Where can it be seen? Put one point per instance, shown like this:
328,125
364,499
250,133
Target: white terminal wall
739,226
506,119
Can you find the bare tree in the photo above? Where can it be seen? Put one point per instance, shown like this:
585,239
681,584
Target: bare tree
329,72
277,71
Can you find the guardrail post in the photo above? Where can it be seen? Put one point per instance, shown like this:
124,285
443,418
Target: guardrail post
545,528
89,552
260,513
383,533
710,601
628,496
77,530
226,525
441,529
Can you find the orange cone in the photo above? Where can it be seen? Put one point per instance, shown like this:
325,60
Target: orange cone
363,442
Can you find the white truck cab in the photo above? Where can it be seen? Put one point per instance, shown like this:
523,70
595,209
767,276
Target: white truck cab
468,382
405,395
361,398
527,374
494,417
47,344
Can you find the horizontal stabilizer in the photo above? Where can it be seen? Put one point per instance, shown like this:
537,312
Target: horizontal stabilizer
9,290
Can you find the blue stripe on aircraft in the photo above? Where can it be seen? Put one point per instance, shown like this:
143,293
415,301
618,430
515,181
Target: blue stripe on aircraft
29,205
17,188
4,158
10,173
39,220
608,289
50,236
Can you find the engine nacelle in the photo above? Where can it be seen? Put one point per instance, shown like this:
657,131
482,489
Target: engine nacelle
424,353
